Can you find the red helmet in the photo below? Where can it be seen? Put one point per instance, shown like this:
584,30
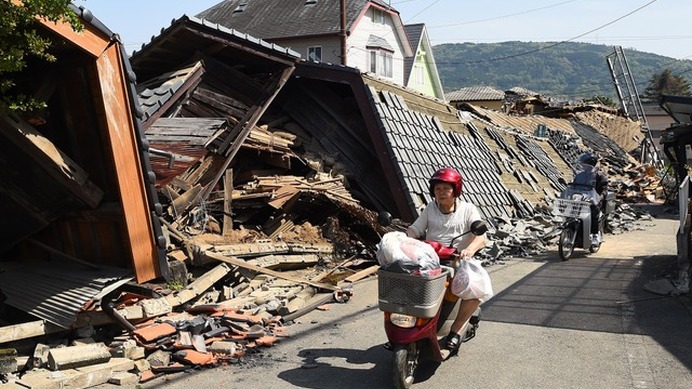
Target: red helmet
449,176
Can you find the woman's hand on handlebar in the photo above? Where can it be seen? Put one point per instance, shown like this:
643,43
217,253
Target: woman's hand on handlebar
463,255
466,254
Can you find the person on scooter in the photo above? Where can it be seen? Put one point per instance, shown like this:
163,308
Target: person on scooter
591,177
443,219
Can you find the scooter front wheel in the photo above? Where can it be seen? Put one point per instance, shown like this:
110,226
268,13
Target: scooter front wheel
405,363
565,246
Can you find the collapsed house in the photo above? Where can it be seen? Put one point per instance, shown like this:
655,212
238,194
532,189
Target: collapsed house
248,181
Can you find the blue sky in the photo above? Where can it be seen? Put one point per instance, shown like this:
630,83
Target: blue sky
655,26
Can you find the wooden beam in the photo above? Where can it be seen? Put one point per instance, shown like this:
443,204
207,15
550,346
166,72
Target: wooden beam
182,203
227,196
120,134
90,40
53,161
245,126
242,264
362,274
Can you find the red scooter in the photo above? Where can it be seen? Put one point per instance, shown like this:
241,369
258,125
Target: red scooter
419,312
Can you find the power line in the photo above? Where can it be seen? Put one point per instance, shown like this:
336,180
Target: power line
557,43
423,10
503,16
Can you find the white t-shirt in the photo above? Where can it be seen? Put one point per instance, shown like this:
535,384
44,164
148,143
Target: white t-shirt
442,228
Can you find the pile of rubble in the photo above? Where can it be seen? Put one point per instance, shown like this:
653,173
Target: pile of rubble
519,238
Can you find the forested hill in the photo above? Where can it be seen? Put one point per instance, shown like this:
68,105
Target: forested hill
572,70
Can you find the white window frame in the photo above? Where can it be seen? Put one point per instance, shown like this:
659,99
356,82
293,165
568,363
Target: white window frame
381,62
378,16
418,74
315,51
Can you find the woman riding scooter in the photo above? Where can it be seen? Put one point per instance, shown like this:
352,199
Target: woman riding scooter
443,219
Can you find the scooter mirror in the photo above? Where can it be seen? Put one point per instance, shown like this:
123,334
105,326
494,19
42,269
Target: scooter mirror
479,227
384,218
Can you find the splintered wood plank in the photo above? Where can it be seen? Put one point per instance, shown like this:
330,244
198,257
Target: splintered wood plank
183,202
242,264
227,196
51,159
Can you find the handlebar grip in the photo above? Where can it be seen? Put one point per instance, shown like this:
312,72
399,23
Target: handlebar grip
449,269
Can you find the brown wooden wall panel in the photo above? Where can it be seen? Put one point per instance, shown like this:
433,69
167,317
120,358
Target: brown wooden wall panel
119,123
90,39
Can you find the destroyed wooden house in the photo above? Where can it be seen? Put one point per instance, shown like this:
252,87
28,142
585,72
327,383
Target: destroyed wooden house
263,171
78,188
379,140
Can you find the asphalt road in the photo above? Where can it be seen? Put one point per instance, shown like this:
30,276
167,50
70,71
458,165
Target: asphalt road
584,323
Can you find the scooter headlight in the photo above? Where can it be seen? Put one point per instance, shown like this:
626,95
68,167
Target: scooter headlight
403,321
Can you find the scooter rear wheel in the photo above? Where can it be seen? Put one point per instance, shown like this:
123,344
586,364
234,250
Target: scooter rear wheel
565,246
405,363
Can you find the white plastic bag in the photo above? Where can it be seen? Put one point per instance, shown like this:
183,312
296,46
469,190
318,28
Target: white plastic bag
408,253
472,281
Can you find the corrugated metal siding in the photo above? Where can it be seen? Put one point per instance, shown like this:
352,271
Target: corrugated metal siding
57,292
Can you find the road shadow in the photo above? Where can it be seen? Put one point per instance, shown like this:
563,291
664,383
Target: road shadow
657,210
324,368
603,295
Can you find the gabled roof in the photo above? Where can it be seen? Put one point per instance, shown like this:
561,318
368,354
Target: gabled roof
413,135
414,32
475,93
188,36
418,38
276,20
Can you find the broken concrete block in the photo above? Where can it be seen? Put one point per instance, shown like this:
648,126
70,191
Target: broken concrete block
40,356
8,360
23,361
223,347
83,377
155,307
123,378
75,356
159,358
134,353
44,379
127,349
82,341
113,365
142,365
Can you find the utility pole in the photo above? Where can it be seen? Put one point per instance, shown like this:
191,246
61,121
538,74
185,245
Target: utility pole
342,33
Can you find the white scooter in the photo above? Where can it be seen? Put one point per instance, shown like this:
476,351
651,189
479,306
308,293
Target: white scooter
574,205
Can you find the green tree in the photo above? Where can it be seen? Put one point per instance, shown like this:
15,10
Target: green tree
665,83
21,39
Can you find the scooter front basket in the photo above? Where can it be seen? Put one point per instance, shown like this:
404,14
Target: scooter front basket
418,296
571,208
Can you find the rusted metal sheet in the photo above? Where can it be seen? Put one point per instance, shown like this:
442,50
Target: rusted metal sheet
58,290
